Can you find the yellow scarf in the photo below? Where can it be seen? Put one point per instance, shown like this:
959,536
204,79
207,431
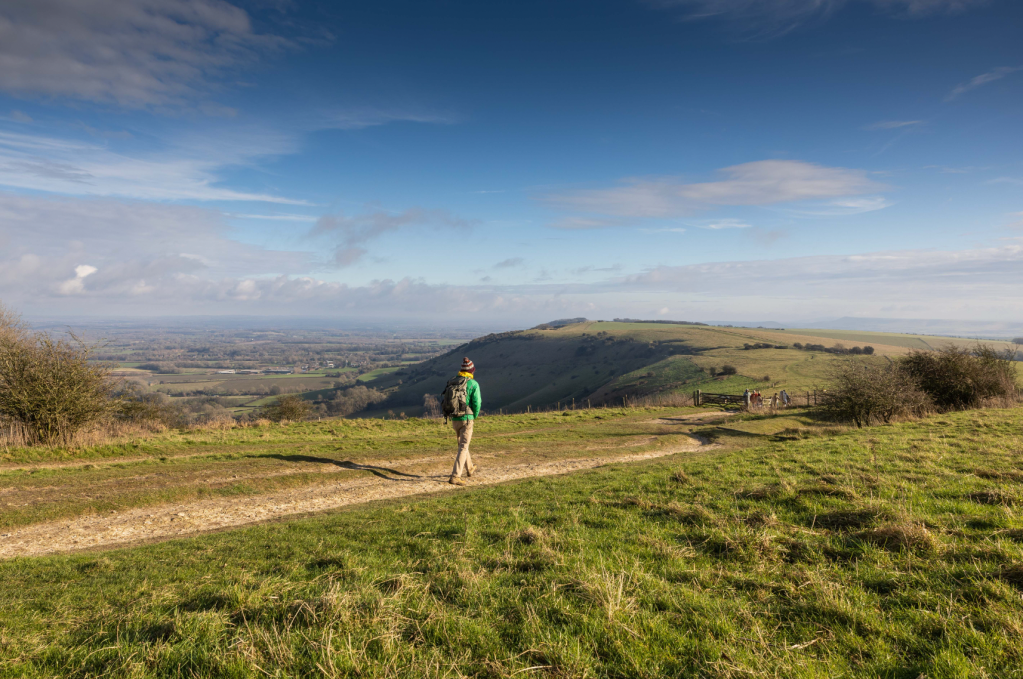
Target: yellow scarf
469,375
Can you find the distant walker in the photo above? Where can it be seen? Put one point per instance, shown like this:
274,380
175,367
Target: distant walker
461,404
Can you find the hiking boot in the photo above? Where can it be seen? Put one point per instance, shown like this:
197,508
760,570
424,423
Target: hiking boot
456,481
469,471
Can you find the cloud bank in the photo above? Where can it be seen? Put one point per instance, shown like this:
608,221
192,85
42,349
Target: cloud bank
764,182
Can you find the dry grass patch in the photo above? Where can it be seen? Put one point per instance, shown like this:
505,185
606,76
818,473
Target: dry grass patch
849,519
993,497
900,537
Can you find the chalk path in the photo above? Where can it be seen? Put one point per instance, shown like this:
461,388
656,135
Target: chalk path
164,522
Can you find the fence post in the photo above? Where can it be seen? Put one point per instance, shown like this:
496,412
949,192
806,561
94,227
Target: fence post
699,397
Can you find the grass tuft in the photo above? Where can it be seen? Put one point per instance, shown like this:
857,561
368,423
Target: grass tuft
900,537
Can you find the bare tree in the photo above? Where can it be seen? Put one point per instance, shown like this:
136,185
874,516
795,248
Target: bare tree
431,406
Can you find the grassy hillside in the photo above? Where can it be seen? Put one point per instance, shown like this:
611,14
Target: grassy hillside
923,342
894,552
605,361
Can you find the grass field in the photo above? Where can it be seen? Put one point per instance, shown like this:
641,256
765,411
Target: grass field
920,342
788,551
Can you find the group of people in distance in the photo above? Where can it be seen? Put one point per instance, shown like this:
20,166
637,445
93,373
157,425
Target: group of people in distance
753,399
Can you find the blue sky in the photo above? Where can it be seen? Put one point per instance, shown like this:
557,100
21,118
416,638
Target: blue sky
513,162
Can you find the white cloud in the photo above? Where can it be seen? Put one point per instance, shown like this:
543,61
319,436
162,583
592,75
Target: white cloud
843,207
74,245
134,53
76,285
765,182
946,284
356,230
723,224
893,124
982,79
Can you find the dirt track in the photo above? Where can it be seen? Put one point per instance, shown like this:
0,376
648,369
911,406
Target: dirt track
163,522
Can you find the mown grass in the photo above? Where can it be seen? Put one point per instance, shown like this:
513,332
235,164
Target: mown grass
886,552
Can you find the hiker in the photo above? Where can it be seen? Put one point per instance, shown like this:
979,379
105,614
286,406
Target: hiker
785,397
774,400
746,399
461,403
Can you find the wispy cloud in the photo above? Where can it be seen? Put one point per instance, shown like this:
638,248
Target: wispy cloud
842,207
717,224
356,230
765,182
573,223
361,118
188,170
981,80
510,263
893,124
773,18
144,53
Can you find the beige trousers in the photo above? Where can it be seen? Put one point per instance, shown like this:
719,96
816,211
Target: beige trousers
463,460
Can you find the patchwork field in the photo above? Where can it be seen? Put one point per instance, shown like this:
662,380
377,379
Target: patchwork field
783,548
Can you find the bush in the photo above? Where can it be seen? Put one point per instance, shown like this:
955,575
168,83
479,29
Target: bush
728,370
957,379
135,404
870,393
49,387
289,407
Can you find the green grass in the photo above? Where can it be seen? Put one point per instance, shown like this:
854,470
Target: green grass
920,342
188,466
886,552
373,374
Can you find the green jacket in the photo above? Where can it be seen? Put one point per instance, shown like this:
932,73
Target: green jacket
472,393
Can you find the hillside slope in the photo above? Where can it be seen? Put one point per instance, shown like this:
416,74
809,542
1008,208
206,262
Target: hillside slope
605,361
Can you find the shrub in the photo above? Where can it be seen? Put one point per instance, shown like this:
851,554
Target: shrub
713,371
289,407
728,370
957,379
869,393
49,387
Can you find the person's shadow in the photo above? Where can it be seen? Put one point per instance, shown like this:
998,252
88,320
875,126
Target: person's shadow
346,464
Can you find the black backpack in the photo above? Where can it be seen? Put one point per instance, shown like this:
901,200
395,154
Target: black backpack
455,399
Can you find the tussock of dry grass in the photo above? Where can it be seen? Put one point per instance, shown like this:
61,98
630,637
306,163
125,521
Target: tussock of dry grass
994,497
900,537
849,519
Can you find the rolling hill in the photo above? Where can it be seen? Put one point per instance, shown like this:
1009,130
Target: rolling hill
602,362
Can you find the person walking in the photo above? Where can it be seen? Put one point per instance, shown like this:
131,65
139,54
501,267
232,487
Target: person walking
746,399
461,403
